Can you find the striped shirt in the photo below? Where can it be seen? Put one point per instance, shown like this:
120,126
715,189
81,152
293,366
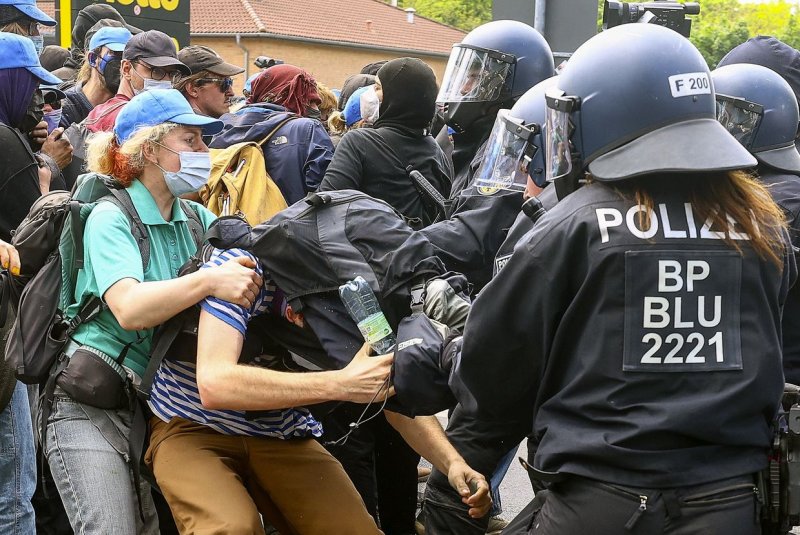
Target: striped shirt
175,392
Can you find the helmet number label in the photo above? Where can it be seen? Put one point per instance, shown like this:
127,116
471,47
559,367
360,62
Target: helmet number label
682,311
690,83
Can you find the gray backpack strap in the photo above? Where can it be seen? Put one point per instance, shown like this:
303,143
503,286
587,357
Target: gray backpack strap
194,222
122,199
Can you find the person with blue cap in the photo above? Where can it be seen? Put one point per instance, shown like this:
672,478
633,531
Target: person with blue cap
156,154
98,80
357,112
22,180
149,61
22,17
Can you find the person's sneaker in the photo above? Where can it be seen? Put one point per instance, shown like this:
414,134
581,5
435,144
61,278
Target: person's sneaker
496,525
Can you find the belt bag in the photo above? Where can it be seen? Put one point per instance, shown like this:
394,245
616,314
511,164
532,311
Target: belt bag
90,379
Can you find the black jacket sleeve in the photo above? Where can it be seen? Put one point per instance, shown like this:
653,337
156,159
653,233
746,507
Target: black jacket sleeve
346,168
19,180
470,239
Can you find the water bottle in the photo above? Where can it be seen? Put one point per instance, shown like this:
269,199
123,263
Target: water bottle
363,307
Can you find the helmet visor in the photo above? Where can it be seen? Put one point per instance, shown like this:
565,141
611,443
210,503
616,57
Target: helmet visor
476,75
740,118
508,153
558,148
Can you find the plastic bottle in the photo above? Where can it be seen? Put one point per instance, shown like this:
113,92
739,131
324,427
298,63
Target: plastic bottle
365,310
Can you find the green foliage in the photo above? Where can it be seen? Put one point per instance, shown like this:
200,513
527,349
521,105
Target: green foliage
724,24
721,25
463,14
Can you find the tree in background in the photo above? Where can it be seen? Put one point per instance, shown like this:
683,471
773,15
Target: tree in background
721,25
463,14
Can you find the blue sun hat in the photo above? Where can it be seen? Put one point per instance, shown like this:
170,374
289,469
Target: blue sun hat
159,106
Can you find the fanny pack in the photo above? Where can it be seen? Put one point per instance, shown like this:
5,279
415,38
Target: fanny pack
94,378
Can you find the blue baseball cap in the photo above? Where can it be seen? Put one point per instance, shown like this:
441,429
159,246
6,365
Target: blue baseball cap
19,52
28,7
248,85
158,106
352,110
110,37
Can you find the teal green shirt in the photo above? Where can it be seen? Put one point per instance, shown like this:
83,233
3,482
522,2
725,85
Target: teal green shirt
111,254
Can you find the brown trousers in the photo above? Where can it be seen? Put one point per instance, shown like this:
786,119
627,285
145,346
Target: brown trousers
218,484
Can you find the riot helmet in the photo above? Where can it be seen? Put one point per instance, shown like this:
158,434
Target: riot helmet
656,113
515,149
758,107
494,64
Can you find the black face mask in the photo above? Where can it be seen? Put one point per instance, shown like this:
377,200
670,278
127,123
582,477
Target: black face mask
112,75
311,113
34,114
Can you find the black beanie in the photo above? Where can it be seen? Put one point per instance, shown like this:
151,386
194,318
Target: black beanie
409,94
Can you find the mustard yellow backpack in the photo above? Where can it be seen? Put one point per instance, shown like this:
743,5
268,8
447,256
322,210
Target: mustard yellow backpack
240,184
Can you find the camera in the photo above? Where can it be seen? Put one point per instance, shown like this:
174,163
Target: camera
779,484
671,15
265,62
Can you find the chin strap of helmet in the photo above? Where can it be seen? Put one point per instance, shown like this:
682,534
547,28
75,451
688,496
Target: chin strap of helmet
572,181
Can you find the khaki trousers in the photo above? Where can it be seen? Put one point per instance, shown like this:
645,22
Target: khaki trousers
218,484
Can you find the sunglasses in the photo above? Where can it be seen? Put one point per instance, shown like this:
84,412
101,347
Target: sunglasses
224,83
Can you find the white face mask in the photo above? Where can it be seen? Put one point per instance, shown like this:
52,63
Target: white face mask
38,43
193,174
370,105
149,83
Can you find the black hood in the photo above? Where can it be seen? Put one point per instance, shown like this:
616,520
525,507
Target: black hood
409,95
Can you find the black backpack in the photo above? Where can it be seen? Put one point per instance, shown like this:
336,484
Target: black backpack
50,244
318,244
329,238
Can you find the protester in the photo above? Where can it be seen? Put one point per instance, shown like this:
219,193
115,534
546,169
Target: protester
99,77
376,160
18,457
22,17
23,179
52,108
352,83
299,151
53,57
156,153
277,465
328,103
149,61
358,113
87,18
209,89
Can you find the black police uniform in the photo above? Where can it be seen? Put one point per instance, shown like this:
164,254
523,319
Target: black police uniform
645,359
482,442
785,191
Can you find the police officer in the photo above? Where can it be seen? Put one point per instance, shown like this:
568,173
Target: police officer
513,161
494,65
636,329
759,108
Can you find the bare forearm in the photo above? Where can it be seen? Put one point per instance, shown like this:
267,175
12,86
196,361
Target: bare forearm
426,436
148,304
237,387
